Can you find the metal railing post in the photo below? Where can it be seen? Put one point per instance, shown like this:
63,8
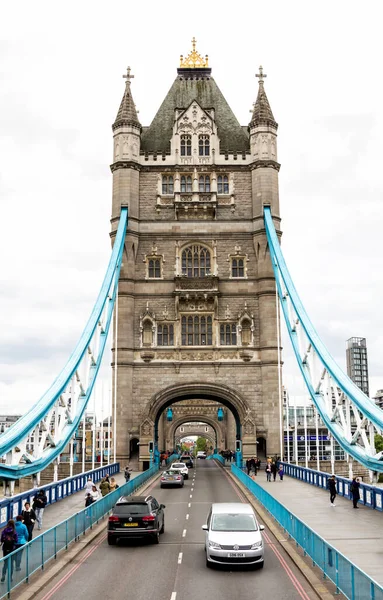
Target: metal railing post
337,572
352,583
27,563
42,552
66,535
55,540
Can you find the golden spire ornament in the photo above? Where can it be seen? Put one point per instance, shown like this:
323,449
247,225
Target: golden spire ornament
194,60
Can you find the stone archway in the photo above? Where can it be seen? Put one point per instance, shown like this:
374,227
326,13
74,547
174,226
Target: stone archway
191,418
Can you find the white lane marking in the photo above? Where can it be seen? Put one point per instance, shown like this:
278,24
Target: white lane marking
173,596
180,558
191,495
192,489
189,505
184,533
187,516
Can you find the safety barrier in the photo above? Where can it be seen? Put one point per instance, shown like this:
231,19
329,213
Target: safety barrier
370,495
55,491
347,577
18,566
173,458
217,457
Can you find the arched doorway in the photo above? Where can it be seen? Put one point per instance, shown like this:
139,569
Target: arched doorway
261,447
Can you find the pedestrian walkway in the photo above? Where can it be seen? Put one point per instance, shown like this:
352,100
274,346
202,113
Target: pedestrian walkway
356,533
59,511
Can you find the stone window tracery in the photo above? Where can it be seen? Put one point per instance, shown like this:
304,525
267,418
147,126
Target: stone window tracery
165,335
204,145
246,332
147,333
154,268
196,261
197,330
167,184
186,183
228,334
222,184
237,268
186,145
204,183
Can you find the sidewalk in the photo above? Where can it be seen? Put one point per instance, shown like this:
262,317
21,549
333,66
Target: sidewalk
57,512
358,534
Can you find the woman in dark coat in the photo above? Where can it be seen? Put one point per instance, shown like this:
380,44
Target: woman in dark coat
29,518
354,489
8,541
331,485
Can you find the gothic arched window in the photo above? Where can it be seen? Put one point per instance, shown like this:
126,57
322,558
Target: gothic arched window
222,184
154,268
165,335
147,333
204,183
196,261
237,267
186,183
228,334
186,145
197,330
203,145
167,184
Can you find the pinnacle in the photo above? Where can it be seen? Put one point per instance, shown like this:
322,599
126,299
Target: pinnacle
262,112
127,114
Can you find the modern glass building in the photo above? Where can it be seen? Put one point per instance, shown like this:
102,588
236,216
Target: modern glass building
357,364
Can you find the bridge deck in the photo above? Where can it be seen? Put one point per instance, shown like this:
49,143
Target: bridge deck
358,534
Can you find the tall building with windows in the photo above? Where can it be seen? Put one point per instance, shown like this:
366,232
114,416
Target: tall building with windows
196,299
357,363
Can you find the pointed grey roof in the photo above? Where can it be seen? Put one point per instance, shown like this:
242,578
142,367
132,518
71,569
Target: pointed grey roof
262,113
127,114
190,85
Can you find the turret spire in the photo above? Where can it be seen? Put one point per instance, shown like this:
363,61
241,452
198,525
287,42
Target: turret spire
127,114
262,112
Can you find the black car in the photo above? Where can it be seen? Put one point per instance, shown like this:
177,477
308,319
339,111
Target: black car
188,461
136,517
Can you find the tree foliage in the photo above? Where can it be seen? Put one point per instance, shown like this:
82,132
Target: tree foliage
378,442
201,444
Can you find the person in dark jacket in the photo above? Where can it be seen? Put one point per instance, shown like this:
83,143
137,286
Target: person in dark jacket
354,489
274,470
29,519
8,542
39,503
331,485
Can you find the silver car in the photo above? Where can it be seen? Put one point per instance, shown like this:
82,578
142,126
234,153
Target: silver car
233,535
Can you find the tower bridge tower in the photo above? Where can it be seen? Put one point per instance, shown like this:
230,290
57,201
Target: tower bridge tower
196,302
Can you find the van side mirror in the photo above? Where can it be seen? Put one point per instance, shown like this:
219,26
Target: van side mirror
261,527
205,527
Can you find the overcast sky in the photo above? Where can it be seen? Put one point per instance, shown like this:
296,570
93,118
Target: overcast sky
61,67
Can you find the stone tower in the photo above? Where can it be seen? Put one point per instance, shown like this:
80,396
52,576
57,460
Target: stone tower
196,303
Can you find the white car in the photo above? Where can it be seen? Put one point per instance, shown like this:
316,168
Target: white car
201,454
180,468
233,535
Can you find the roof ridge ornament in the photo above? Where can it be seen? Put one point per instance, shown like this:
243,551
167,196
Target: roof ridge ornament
194,60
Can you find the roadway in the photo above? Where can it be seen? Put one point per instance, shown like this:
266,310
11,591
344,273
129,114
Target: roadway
175,569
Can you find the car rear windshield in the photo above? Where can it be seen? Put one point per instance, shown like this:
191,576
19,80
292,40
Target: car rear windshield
234,522
131,509
178,465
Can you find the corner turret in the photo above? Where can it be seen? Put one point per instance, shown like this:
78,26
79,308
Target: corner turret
127,128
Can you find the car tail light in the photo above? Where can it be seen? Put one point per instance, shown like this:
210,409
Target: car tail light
113,519
163,478
179,477
148,518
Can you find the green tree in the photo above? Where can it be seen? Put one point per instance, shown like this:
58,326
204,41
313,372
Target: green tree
378,442
201,444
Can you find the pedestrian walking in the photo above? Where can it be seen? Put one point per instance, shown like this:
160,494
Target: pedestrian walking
29,519
127,473
281,472
22,539
113,484
268,471
274,470
95,494
8,542
39,504
331,486
354,489
248,466
88,500
104,487
88,486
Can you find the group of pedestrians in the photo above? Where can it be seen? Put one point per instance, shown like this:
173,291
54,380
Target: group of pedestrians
252,466
272,469
354,490
19,531
107,485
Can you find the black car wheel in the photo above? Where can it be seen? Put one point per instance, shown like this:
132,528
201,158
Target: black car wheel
111,540
162,530
156,538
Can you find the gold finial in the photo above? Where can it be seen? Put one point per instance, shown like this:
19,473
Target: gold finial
194,60
260,74
128,75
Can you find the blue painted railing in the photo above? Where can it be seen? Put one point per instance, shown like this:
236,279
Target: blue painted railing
34,555
370,495
216,457
172,458
354,583
55,491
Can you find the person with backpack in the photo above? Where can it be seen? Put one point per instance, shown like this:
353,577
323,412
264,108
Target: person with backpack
354,489
8,542
22,538
29,518
39,503
331,486
127,473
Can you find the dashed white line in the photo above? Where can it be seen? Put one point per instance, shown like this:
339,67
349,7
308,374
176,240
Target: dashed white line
173,596
189,505
192,489
184,533
187,516
180,558
191,495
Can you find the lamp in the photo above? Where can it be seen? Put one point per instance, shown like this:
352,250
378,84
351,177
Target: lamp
220,414
169,415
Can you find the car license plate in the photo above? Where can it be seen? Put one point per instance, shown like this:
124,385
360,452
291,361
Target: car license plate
130,524
236,555
170,478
